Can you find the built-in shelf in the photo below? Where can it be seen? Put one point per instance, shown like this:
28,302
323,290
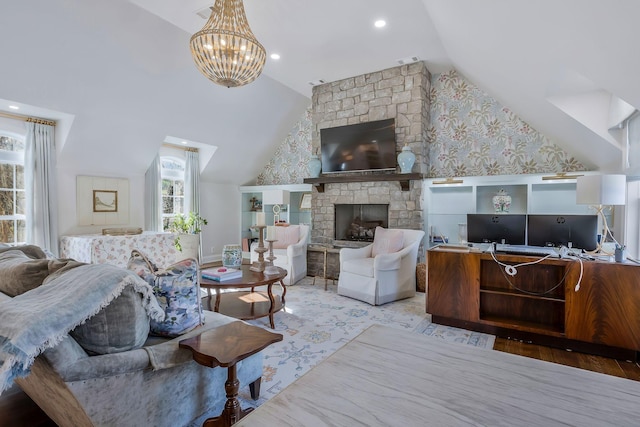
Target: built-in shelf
402,178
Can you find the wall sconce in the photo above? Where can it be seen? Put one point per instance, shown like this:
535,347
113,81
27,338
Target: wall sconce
560,176
448,181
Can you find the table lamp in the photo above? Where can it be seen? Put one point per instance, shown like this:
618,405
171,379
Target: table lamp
276,198
602,191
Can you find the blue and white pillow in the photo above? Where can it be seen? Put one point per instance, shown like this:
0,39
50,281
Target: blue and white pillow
177,289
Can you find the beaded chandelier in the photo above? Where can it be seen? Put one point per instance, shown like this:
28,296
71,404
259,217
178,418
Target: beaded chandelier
225,50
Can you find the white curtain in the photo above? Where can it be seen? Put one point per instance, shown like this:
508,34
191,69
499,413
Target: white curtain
153,196
41,207
192,187
192,182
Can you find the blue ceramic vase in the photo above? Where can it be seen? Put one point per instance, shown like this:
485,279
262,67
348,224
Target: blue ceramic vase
232,256
406,159
315,166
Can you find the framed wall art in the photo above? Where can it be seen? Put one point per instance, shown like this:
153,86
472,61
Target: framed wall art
305,201
102,200
105,201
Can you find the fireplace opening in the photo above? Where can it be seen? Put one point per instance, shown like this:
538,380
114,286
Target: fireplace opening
358,222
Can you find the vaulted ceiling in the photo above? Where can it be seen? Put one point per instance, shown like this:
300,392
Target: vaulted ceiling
121,71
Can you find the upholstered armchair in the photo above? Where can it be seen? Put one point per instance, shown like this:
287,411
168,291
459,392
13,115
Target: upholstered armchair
290,250
383,271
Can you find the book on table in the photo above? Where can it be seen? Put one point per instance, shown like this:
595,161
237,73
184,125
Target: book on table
221,273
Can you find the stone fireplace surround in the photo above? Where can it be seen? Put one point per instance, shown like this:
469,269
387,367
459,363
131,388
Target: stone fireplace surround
401,93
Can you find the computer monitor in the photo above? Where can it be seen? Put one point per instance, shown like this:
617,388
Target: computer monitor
576,231
500,228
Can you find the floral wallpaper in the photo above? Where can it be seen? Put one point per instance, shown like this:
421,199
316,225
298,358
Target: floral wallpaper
290,163
471,134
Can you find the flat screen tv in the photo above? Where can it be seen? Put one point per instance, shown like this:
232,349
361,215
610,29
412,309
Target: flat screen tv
575,231
499,228
360,147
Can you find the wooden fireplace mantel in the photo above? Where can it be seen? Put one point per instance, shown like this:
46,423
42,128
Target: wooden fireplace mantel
402,178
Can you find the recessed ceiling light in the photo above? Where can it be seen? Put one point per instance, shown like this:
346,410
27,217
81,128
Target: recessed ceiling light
380,23
14,107
184,142
275,56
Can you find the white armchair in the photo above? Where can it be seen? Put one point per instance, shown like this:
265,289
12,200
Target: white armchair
384,278
290,251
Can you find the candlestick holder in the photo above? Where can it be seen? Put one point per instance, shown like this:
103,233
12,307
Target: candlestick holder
259,265
270,268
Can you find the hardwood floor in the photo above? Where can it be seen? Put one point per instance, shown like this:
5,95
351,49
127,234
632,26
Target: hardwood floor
18,410
604,365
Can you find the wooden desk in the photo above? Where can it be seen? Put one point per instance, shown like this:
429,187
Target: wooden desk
247,305
390,377
539,304
225,346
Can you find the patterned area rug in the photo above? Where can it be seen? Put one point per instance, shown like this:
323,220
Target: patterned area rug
316,323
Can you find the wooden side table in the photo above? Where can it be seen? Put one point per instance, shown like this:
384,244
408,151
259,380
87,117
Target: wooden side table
247,305
225,346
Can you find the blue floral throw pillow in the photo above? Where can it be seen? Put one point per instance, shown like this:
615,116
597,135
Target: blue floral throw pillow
177,289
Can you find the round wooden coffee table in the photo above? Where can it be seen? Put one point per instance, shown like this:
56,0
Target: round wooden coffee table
233,300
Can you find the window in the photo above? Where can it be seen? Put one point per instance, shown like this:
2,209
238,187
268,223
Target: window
633,143
172,189
12,195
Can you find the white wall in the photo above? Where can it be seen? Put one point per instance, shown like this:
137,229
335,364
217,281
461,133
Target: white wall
67,214
219,204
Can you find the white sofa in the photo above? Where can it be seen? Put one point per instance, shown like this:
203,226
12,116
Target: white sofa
384,278
290,256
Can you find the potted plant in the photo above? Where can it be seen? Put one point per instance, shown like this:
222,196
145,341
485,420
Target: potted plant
190,224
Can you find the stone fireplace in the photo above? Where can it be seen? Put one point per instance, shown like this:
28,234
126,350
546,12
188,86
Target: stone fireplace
358,222
401,93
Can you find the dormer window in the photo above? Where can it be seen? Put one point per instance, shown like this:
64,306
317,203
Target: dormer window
632,155
172,188
12,194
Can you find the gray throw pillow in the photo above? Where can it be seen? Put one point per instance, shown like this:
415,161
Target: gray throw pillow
121,326
32,251
20,273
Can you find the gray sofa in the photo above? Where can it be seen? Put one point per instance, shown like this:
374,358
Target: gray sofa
158,384
123,389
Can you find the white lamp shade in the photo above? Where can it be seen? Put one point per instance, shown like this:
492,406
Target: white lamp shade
601,190
275,197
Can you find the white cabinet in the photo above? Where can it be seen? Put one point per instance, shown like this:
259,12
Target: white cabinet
446,205
290,213
251,204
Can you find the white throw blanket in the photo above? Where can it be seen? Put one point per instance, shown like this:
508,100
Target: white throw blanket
38,319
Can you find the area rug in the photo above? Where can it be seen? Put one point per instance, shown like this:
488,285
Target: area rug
316,323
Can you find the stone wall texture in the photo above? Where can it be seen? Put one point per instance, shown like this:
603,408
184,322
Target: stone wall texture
401,93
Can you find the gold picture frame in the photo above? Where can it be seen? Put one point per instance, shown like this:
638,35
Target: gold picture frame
105,201
305,201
